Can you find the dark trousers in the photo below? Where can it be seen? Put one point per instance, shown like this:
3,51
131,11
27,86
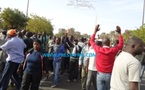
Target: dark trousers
10,71
65,64
31,79
50,65
73,69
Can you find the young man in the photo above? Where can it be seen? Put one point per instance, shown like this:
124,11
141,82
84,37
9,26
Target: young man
58,49
126,70
91,67
105,58
73,66
14,47
82,64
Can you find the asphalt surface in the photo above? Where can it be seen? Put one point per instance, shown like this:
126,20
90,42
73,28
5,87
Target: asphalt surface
64,85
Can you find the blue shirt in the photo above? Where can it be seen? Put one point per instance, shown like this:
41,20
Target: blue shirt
56,54
33,63
14,47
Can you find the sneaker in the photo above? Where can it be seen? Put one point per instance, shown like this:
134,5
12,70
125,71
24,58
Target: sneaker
68,80
53,86
75,80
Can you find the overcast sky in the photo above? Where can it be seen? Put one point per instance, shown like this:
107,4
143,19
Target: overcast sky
108,13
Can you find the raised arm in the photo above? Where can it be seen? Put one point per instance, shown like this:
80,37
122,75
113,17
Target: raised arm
92,40
121,42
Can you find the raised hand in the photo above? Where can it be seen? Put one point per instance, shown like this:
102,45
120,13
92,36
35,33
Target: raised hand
118,29
97,28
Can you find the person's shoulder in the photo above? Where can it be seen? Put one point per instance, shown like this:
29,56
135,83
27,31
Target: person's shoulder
131,59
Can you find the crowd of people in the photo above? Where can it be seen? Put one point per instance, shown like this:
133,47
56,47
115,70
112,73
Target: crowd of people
114,67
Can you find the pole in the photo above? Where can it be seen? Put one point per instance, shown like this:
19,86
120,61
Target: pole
27,8
27,12
143,13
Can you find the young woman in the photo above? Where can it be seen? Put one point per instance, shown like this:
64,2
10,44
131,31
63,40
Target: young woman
33,68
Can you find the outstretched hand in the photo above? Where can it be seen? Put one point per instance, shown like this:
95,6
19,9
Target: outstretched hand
118,29
97,28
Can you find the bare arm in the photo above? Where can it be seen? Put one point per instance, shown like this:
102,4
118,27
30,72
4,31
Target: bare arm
97,28
92,40
87,64
133,86
121,42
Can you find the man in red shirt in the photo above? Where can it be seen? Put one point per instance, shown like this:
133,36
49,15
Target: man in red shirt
105,58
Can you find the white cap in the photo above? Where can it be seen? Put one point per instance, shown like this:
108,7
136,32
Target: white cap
100,40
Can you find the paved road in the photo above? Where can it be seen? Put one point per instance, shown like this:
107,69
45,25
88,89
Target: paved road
64,85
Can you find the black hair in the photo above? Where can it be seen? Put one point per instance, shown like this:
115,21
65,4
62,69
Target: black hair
31,49
37,40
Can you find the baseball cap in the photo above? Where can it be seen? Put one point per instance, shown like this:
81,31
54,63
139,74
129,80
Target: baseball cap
11,32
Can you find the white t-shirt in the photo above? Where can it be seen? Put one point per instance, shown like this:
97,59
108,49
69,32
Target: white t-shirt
92,60
126,69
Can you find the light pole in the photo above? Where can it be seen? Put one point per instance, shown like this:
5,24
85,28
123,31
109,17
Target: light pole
27,12
27,8
143,13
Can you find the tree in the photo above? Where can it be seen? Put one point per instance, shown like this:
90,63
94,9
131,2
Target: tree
103,35
139,32
71,32
13,19
85,35
39,24
61,32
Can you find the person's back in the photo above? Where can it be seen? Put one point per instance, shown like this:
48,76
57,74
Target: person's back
105,58
16,49
106,55
28,41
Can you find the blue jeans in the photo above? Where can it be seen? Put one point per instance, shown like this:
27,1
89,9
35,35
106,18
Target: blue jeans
56,67
10,70
103,81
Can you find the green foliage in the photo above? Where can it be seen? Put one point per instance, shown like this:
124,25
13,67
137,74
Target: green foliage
40,24
137,32
71,32
14,19
85,36
61,32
